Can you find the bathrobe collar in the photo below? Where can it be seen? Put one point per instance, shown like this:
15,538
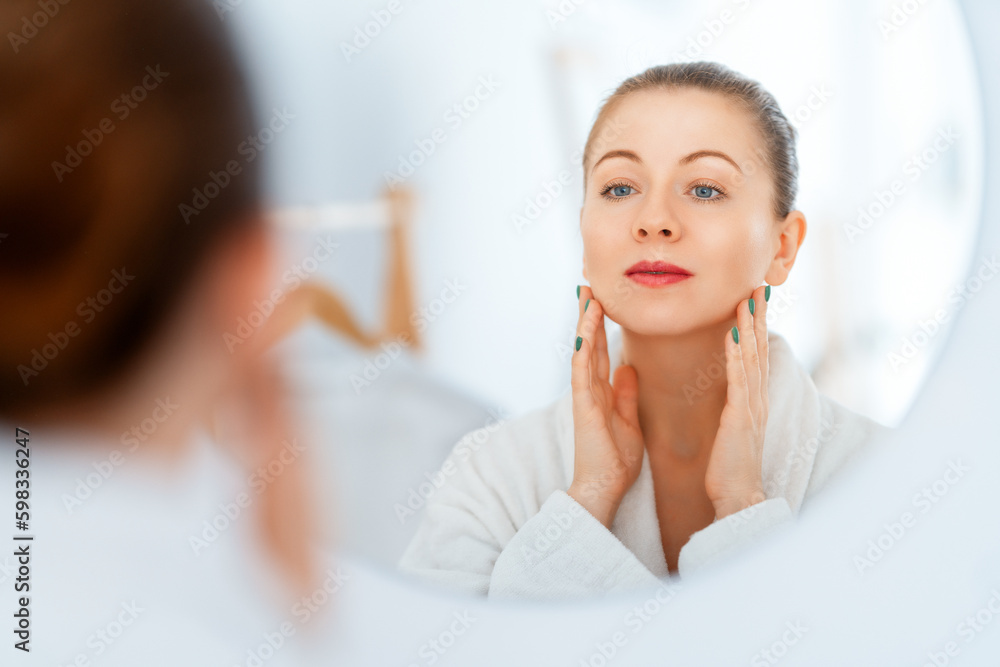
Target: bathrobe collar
793,431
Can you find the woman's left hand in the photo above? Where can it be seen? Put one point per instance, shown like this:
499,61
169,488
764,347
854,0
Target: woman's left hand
733,479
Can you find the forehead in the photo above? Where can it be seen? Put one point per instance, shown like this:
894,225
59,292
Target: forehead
669,124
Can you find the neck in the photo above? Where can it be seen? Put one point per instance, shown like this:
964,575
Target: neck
682,390
157,402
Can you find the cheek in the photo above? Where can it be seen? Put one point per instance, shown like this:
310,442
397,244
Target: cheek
735,259
743,245
758,249
602,258
723,248
598,240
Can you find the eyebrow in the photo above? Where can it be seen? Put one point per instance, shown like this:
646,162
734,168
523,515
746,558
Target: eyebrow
700,154
629,155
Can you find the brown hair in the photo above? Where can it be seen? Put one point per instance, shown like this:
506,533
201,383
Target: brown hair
115,116
778,134
113,113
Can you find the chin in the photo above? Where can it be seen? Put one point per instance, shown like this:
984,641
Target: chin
645,323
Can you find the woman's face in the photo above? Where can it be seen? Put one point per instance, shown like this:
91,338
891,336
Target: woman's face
678,177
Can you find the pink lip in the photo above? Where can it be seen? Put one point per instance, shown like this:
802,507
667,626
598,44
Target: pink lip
655,274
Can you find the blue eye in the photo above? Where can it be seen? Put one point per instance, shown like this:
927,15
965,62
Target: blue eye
703,193
617,191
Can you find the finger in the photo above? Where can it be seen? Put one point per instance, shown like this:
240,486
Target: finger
748,350
601,351
584,366
626,388
581,299
760,330
600,366
583,399
736,377
583,296
587,311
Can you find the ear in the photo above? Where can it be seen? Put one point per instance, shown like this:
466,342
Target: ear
787,244
241,271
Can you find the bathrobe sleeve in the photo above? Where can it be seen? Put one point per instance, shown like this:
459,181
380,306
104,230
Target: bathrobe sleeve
502,525
732,533
563,551
808,467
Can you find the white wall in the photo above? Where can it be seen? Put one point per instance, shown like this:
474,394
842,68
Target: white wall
505,340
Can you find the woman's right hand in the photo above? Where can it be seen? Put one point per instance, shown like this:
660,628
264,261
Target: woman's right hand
608,441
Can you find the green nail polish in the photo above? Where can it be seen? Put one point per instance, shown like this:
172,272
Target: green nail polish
736,336
577,291
579,342
767,293
586,305
751,306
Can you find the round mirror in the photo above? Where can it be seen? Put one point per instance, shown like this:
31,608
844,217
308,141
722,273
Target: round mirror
480,114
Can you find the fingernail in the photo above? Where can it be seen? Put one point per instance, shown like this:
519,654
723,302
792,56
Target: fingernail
585,305
736,336
767,293
579,342
577,291
751,306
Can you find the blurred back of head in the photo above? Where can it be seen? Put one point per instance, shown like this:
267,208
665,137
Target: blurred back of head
112,114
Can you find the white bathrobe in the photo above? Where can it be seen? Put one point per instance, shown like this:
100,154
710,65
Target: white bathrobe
499,520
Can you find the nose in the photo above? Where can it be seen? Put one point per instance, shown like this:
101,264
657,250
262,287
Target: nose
642,230
655,220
